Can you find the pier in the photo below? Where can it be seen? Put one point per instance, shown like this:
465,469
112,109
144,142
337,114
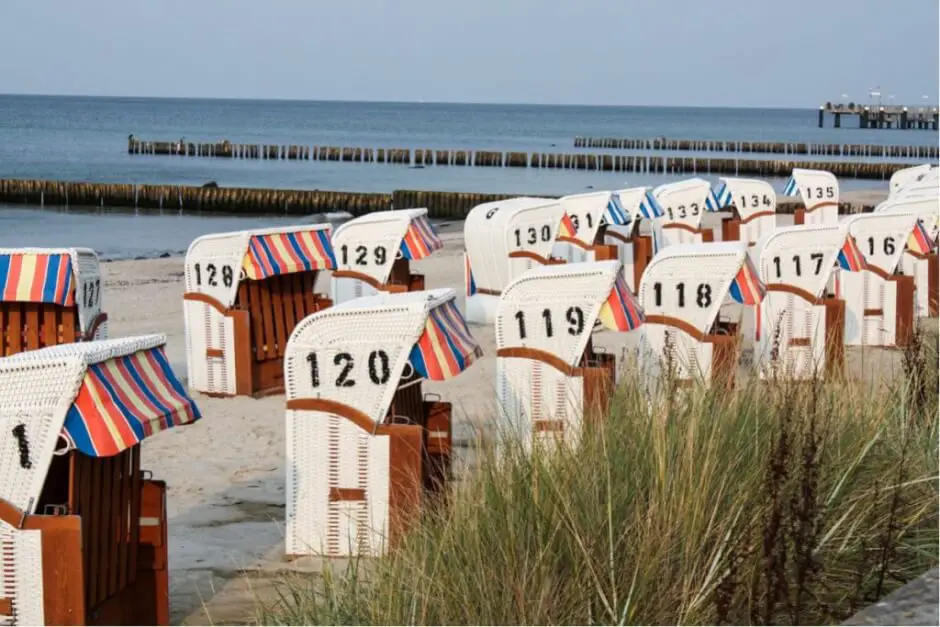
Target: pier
902,117
424,157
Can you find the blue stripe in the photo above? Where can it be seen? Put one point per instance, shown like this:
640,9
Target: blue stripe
174,382
292,238
328,247
68,279
267,252
130,416
736,292
52,275
417,361
405,251
4,273
77,429
165,411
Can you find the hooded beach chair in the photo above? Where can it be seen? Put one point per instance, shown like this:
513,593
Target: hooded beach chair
549,377
590,214
681,293
819,192
365,450
920,258
800,327
684,204
373,253
634,237
49,296
909,177
83,531
879,303
245,293
754,209
503,239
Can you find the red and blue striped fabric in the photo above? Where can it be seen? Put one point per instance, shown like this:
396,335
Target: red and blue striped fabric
284,253
850,257
471,284
446,347
621,312
567,227
421,240
747,288
919,240
37,278
124,400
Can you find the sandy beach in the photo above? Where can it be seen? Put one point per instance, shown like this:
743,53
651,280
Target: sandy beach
225,474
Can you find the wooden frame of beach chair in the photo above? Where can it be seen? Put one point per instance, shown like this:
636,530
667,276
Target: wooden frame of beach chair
83,530
684,204
879,304
634,248
504,239
49,296
365,450
819,192
550,379
245,293
374,251
682,292
801,329
920,259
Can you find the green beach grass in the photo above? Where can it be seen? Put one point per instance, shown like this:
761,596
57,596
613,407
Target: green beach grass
773,504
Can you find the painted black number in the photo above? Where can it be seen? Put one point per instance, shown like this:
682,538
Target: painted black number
796,265
887,245
575,222
346,360
211,272
658,293
362,255
693,208
361,252
547,314
547,233
380,255
491,212
227,276
91,292
590,220
680,288
818,258
575,317
379,371
703,297
314,370
19,432
703,294
681,211
520,317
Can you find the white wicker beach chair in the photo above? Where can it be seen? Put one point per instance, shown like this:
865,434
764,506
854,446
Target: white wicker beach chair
373,253
49,296
503,239
819,191
754,203
590,214
633,233
800,328
908,177
684,203
549,377
920,258
682,291
364,448
82,531
879,304
245,293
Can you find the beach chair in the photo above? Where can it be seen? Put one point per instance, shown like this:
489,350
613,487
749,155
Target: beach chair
754,209
879,304
49,296
634,239
373,253
920,259
503,239
908,177
365,450
590,215
549,376
683,204
800,329
245,293
681,293
819,192
83,530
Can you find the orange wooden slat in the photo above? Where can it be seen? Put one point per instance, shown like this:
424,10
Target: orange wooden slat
269,343
31,330
15,329
50,326
257,323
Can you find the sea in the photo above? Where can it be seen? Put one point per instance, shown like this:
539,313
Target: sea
85,139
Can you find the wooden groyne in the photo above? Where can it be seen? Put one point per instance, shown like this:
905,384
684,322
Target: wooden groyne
255,201
644,164
763,147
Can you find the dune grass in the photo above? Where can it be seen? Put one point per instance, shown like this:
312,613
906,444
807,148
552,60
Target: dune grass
775,504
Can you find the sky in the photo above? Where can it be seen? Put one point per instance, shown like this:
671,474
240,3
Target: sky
792,53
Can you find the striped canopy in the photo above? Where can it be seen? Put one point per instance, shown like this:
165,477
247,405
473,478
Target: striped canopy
446,347
567,227
920,241
850,257
747,287
621,312
650,207
791,188
273,254
614,212
123,400
718,198
421,240
37,278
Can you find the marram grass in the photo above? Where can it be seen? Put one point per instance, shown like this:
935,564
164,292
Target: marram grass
775,504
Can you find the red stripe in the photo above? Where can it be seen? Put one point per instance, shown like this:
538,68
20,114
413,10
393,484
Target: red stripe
278,238
105,444
321,258
131,384
128,435
175,400
301,242
258,251
40,271
13,278
63,291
